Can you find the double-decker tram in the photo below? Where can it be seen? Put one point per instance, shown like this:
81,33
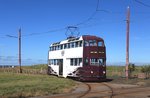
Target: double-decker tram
83,58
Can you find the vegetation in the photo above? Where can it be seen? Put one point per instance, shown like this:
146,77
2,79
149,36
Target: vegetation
34,69
145,69
131,68
117,73
32,83
25,85
38,66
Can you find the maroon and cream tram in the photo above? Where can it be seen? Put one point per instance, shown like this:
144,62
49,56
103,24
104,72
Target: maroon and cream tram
83,58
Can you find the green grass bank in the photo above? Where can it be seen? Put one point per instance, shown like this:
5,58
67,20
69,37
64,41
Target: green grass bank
25,85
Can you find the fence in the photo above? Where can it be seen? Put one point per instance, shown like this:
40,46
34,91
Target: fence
25,71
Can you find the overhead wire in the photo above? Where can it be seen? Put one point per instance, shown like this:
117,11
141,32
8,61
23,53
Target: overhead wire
55,30
84,22
92,15
142,3
87,20
78,24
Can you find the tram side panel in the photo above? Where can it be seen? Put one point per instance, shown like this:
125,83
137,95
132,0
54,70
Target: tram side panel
71,55
64,68
53,64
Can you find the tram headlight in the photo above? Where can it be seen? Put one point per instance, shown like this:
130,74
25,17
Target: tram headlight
104,72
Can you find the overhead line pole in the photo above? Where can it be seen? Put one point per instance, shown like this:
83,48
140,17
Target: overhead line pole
127,41
19,38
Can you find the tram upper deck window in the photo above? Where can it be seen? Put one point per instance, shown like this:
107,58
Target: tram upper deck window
61,46
100,43
80,44
86,43
68,45
50,48
76,44
72,45
54,48
57,47
65,46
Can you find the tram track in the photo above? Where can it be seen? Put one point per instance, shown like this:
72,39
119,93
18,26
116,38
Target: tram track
89,90
103,90
110,92
86,92
111,89
130,91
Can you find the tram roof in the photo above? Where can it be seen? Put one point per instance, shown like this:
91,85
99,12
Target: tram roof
75,39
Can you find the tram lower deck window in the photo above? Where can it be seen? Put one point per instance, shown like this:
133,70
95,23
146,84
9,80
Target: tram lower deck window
76,61
53,62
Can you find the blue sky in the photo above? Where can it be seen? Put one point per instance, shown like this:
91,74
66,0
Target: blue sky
41,21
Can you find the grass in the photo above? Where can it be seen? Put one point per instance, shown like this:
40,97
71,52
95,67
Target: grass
23,85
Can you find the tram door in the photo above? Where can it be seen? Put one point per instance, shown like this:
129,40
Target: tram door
61,67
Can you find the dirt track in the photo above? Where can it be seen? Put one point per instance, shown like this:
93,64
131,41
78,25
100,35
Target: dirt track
105,90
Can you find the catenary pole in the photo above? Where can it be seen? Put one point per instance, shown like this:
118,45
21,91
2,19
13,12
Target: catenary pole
127,41
19,38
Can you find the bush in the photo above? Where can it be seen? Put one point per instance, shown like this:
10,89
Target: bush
131,69
146,69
